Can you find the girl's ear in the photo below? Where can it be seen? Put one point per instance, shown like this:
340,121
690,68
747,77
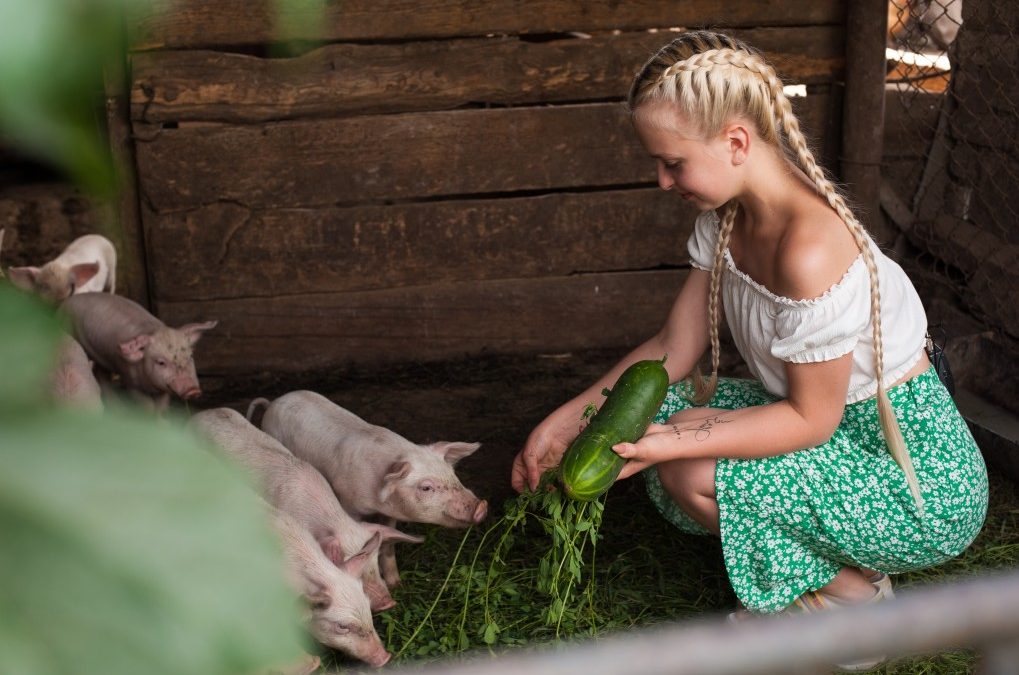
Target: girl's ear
738,138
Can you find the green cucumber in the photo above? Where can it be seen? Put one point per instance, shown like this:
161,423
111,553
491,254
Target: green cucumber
589,467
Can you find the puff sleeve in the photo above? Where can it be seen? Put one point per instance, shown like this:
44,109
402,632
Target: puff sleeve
823,328
702,241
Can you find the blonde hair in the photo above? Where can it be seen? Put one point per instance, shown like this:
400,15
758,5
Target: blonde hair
711,78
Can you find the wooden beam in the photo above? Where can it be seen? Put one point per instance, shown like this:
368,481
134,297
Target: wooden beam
343,79
125,228
314,163
863,112
300,333
237,252
189,24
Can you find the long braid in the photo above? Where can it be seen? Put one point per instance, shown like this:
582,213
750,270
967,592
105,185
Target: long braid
889,423
681,73
704,391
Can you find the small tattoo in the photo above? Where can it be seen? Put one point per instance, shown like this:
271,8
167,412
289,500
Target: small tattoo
702,431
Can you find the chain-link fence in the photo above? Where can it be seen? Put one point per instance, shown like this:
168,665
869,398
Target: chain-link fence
952,172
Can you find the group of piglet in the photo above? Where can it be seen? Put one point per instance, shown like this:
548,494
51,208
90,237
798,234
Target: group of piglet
323,470
150,360
325,474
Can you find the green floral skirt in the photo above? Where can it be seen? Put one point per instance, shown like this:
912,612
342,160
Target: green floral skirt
790,523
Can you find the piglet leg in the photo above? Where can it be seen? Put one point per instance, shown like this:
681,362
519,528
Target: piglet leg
387,559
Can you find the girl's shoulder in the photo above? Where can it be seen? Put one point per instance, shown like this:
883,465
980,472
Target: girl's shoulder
815,253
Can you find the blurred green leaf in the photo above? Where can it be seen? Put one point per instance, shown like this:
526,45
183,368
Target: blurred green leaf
298,27
52,57
28,343
127,547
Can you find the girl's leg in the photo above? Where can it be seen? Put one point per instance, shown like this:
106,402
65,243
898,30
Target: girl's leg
691,484
849,586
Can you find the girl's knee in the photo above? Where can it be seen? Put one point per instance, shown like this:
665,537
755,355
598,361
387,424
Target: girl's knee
684,478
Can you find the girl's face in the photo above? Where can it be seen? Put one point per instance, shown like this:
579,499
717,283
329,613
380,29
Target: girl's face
704,171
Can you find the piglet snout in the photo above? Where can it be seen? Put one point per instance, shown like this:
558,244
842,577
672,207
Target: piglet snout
480,511
379,658
194,392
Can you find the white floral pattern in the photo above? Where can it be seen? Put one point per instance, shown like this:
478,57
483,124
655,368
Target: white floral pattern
790,523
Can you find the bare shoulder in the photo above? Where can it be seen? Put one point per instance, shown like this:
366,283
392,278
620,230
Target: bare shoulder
815,252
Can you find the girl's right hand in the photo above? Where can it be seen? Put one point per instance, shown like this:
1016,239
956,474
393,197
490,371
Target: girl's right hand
545,448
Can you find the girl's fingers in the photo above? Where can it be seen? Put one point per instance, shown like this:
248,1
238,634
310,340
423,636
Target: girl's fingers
625,450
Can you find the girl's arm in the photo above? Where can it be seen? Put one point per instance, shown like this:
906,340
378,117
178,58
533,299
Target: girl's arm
684,337
808,417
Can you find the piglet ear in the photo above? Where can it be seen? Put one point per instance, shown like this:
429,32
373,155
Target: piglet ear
194,331
454,451
317,594
354,565
392,534
23,277
82,272
397,471
134,349
333,549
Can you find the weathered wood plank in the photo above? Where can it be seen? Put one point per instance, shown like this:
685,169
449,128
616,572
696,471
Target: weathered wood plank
350,78
305,332
236,252
398,157
41,219
199,23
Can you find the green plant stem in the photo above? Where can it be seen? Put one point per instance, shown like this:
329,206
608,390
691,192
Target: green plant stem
470,575
438,595
580,554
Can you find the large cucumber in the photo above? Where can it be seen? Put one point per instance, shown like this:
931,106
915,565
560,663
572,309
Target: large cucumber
589,466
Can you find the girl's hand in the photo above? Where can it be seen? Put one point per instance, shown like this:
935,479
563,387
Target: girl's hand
544,448
657,445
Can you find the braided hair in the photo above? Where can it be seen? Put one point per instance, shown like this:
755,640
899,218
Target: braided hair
711,78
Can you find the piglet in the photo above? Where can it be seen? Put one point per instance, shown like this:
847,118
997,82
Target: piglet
122,337
72,382
373,470
88,264
297,488
340,616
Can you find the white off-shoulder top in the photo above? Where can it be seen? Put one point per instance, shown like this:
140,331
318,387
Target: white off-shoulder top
770,329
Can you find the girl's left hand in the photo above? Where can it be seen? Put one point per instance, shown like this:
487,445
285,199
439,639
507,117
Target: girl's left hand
657,445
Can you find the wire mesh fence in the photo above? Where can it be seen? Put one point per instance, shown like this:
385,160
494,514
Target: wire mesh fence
952,176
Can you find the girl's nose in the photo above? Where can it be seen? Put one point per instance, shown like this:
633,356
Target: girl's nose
664,179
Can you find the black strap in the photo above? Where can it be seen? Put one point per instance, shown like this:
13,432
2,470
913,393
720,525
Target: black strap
935,347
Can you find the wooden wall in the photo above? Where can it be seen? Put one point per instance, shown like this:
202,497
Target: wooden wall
438,179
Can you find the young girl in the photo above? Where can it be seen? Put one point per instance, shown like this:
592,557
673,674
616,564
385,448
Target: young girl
845,459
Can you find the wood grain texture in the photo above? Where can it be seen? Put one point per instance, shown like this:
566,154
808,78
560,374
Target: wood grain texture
233,251
300,333
315,163
200,23
343,79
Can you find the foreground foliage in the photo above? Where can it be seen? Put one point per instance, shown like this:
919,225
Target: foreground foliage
127,547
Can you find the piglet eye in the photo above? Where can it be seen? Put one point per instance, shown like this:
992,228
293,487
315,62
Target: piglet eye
161,363
425,487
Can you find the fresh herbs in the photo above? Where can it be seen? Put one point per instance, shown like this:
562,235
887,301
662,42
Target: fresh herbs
486,585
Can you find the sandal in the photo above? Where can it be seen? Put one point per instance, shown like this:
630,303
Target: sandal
816,601
883,583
